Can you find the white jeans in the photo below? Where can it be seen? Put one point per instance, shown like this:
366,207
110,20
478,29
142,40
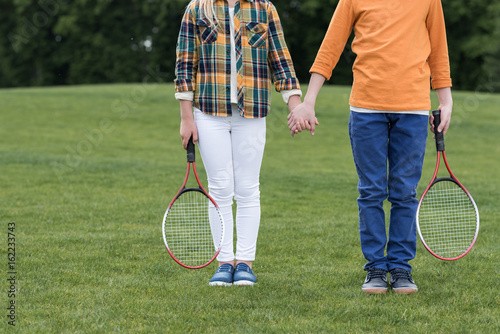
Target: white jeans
232,148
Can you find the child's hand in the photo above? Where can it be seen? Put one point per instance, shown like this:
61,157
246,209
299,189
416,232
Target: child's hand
188,127
445,120
446,106
188,130
302,118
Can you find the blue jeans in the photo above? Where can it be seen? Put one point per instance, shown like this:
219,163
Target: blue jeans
388,151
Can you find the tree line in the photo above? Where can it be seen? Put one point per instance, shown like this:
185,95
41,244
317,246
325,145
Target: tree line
59,42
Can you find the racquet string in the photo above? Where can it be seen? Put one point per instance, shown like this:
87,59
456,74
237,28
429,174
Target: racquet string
188,230
447,219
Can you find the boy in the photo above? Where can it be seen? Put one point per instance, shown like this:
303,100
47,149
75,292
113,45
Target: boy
400,46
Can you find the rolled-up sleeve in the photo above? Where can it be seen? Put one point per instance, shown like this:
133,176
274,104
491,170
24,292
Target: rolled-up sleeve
279,57
187,54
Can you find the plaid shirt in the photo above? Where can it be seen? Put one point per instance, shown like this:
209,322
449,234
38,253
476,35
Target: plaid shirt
204,58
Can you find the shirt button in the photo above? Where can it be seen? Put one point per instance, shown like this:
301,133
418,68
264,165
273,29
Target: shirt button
227,88
228,72
228,51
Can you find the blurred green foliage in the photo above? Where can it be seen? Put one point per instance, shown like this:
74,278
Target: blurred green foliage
56,42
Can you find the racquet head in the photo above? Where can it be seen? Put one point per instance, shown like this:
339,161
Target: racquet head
447,216
193,228
447,220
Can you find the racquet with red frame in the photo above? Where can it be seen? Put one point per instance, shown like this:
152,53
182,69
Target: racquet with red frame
447,216
193,228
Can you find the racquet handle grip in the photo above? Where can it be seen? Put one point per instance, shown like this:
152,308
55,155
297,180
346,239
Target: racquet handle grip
438,135
190,150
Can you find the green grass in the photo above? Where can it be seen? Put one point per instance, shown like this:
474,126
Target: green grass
87,173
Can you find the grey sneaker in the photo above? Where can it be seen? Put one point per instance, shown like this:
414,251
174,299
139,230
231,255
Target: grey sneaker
402,282
376,281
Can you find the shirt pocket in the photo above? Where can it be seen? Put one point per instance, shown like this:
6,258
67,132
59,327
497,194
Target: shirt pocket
256,34
207,33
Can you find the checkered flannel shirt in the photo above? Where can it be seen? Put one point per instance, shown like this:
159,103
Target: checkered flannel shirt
204,58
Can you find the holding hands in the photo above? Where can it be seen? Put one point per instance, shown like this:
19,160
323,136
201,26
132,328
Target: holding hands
302,118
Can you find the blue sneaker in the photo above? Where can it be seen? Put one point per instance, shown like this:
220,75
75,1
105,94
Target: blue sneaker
223,276
243,275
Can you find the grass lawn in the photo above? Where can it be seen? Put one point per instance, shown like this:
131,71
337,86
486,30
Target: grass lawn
88,171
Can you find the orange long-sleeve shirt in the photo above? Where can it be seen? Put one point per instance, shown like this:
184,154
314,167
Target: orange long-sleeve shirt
400,45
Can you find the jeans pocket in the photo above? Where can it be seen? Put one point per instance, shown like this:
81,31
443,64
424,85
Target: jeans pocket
197,113
352,131
256,34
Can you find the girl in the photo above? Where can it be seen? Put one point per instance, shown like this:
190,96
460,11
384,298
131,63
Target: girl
227,52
